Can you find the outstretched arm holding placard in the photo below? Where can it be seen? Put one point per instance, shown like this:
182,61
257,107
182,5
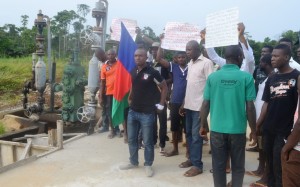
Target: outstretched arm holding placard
248,62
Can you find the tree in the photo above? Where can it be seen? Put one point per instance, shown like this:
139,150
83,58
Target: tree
24,21
83,10
150,33
293,36
61,26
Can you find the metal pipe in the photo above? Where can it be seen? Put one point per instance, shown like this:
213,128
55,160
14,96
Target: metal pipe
49,48
104,25
52,87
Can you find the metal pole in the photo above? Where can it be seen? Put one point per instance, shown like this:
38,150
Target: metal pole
105,26
59,128
49,49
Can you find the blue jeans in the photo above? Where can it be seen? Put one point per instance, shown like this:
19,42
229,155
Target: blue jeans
194,140
135,122
221,146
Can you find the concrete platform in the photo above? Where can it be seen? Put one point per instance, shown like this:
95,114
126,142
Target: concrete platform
93,161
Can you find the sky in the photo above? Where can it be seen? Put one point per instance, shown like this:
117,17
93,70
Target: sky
262,18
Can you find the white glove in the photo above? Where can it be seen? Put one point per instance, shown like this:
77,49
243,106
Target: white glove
159,106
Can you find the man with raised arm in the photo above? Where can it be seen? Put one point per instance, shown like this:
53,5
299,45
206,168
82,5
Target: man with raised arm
248,63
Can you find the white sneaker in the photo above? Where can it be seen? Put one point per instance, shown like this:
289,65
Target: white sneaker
161,150
127,166
149,171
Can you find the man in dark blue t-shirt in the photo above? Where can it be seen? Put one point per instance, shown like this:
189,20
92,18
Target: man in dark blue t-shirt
179,71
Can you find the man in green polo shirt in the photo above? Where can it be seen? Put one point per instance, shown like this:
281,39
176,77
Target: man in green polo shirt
228,96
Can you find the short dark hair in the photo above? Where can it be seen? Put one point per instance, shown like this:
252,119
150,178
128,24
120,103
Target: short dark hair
286,40
268,47
233,52
195,45
266,59
286,49
180,53
143,49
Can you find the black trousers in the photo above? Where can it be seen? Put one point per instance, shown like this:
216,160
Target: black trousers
273,144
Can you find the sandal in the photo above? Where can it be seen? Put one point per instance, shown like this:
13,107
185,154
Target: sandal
229,184
186,164
256,184
111,134
172,153
252,149
193,172
252,173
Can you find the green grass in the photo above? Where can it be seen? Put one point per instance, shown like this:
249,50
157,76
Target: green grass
15,71
2,128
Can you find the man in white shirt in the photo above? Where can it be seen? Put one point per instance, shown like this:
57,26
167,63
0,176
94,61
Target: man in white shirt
199,70
248,63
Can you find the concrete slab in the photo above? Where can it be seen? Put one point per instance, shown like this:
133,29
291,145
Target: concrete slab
93,161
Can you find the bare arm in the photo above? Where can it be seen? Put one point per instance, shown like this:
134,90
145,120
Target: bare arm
294,137
160,60
129,97
251,116
261,118
204,111
163,94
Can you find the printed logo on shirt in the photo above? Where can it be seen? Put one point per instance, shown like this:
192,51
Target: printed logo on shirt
229,83
292,83
281,89
145,77
108,68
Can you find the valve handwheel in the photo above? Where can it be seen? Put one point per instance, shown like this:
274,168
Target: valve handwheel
85,37
85,113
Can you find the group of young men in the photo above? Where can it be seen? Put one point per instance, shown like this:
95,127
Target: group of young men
266,97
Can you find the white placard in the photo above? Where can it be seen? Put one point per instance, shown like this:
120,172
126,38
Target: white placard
177,35
221,28
116,28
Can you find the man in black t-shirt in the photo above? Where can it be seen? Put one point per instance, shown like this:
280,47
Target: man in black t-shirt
258,75
277,114
143,105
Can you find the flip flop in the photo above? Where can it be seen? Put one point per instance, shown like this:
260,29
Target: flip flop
193,172
252,173
229,184
252,149
186,164
256,184
169,154
111,135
